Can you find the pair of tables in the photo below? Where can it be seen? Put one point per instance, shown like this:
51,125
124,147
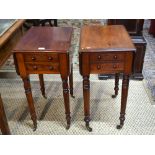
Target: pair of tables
103,49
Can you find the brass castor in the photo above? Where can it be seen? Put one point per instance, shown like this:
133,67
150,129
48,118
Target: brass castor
114,96
72,96
68,126
35,126
119,126
45,96
89,128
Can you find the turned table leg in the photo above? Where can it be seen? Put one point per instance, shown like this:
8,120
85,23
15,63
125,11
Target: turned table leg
116,85
125,85
29,97
66,100
42,86
71,81
86,94
3,120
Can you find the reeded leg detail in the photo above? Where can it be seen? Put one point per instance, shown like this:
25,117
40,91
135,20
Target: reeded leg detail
125,85
29,97
66,101
42,86
116,85
86,94
87,120
71,82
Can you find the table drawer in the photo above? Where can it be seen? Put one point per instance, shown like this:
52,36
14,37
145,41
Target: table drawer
41,57
38,68
99,57
106,67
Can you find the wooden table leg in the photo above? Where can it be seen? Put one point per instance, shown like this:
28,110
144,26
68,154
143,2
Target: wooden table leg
125,85
66,100
42,85
116,85
55,22
86,94
29,97
3,120
71,81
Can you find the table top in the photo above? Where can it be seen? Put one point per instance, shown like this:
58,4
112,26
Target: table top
99,38
45,39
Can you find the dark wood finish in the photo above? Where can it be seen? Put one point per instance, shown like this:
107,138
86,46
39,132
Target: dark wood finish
3,120
41,57
66,100
140,44
106,67
125,85
9,39
116,85
42,86
45,50
71,81
98,57
57,39
86,95
110,50
133,26
152,27
104,39
28,92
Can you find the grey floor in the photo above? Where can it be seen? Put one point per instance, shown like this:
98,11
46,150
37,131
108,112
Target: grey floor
140,114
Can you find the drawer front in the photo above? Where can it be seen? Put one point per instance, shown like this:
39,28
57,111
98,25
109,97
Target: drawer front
41,57
100,57
39,68
106,67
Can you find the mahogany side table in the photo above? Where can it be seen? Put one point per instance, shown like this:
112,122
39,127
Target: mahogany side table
45,50
106,50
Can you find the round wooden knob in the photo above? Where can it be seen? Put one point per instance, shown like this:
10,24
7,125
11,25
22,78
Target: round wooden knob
99,57
35,67
114,66
51,68
98,67
50,58
115,57
33,58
